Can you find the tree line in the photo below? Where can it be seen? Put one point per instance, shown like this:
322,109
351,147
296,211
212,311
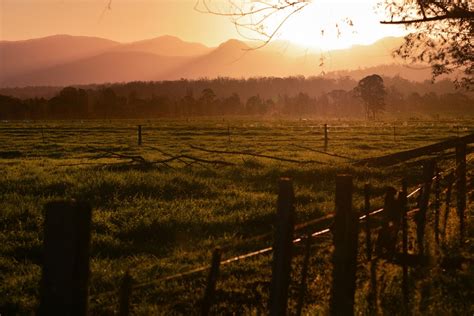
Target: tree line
293,96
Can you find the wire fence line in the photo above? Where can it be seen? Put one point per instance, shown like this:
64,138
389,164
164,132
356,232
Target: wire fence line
266,250
67,242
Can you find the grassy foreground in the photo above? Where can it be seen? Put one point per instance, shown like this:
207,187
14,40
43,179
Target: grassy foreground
159,220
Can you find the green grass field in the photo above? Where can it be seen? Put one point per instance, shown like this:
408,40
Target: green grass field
158,220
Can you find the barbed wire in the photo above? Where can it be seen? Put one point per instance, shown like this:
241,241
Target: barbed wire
318,233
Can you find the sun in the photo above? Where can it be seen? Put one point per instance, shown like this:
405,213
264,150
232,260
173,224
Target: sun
335,24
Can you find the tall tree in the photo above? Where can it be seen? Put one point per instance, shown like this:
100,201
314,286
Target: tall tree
372,91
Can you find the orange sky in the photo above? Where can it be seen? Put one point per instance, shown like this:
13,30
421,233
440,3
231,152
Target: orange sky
131,20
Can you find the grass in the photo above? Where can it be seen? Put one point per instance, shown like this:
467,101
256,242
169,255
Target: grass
160,221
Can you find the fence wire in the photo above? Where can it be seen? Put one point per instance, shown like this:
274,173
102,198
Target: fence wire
266,250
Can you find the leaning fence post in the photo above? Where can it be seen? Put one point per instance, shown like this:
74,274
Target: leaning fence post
461,185
345,239
437,205
449,189
304,275
139,135
211,282
282,248
386,240
65,271
428,169
125,294
371,297
404,210
368,241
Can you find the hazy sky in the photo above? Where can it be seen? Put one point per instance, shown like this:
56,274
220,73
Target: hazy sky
131,20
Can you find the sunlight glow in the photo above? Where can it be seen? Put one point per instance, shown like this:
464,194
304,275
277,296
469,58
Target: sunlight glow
326,25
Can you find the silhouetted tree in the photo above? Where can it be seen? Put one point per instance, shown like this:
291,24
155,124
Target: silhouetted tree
394,99
441,35
70,102
372,91
107,102
207,101
255,105
10,108
231,104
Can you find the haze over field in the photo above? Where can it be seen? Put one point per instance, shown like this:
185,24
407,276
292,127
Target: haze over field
65,60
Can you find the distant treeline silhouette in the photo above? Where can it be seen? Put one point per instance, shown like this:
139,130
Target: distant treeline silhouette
295,96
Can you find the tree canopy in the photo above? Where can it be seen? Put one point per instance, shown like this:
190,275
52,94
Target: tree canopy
441,35
371,90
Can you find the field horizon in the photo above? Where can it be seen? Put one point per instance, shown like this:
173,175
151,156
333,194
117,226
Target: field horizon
159,219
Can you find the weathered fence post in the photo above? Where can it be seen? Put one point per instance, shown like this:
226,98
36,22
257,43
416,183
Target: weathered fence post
461,185
386,240
211,282
326,139
125,294
65,272
368,240
139,135
371,297
304,275
450,179
345,239
404,210
437,205
282,248
428,170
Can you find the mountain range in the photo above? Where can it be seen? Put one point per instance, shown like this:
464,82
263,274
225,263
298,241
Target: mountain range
68,60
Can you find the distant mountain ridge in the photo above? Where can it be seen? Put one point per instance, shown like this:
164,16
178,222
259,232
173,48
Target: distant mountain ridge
68,60
166,46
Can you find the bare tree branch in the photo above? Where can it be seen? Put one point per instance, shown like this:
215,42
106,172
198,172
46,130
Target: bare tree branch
447,16
254,16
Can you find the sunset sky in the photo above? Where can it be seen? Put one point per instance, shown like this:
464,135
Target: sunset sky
132,20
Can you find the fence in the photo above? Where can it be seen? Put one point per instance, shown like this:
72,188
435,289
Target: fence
65,272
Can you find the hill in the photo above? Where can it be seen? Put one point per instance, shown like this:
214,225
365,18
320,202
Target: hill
68,60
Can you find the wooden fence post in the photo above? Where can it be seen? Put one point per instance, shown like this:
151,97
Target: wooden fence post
304,275
211,282
447,210
282,248
139,135
368,240
437,206
65,272
404,210
125,294
326,139
345,231
428,170
371,297
387,237
461,185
